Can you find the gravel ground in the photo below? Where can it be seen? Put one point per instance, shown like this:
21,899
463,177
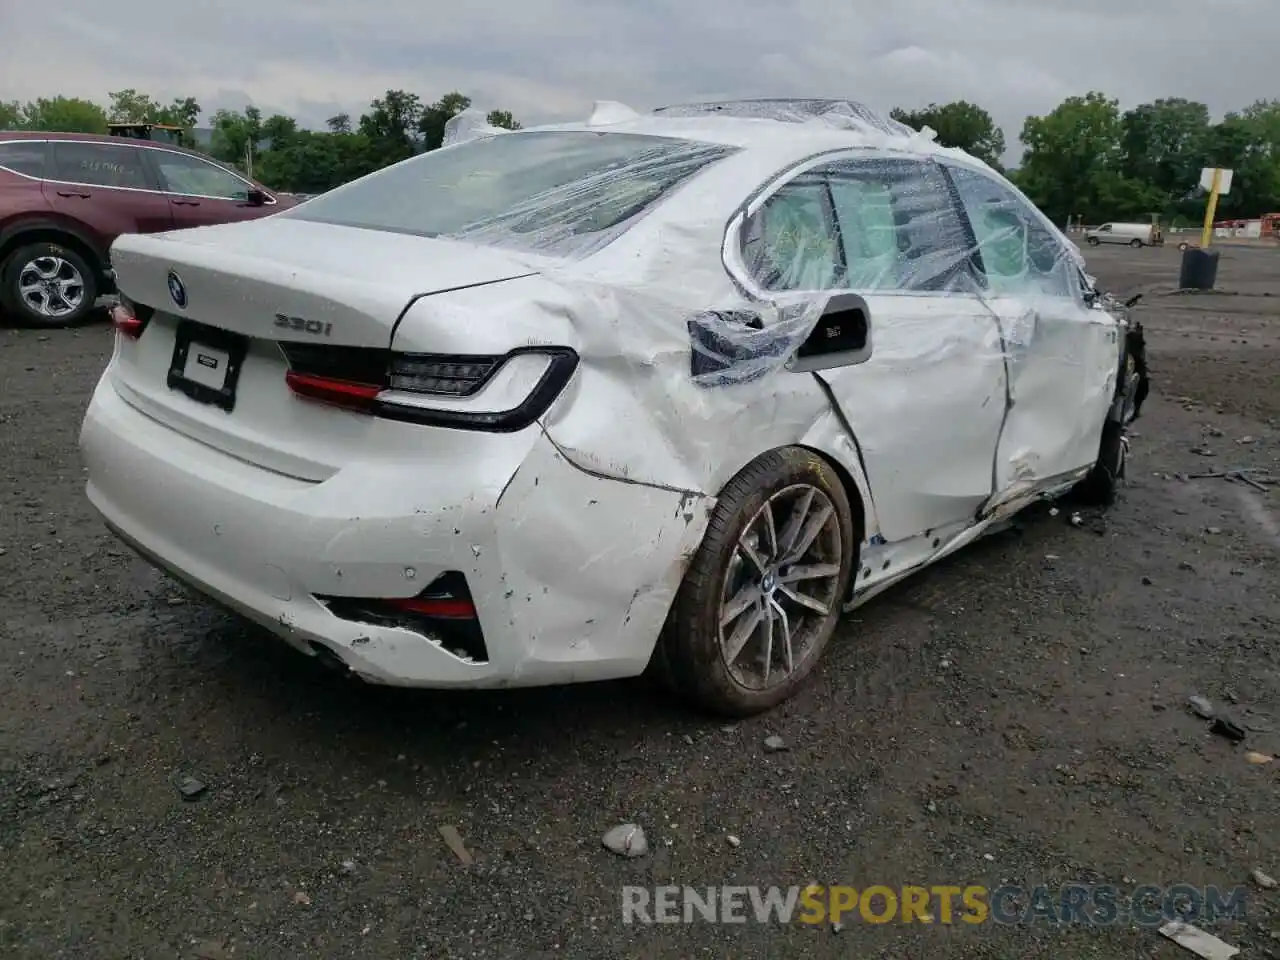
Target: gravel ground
1016,714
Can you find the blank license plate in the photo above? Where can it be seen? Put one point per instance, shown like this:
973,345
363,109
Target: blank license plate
206,363
207,366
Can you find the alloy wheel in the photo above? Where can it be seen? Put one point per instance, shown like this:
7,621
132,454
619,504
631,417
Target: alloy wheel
780,586
51,287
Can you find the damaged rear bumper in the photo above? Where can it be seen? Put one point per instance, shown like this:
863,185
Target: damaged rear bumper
571,574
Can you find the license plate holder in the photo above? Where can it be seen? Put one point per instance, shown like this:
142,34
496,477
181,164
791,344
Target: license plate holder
206,363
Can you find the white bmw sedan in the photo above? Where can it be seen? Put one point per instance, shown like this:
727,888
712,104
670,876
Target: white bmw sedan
664,391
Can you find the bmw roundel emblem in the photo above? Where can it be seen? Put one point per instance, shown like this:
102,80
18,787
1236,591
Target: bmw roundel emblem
176,289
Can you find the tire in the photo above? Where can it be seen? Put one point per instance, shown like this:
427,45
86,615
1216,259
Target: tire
1135,243
696,646
68,286
1100,485
1094,241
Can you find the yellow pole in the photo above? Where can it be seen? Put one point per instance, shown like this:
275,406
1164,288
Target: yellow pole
1207,233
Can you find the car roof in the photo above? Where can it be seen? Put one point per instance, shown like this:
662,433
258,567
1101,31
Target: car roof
94,138
133,124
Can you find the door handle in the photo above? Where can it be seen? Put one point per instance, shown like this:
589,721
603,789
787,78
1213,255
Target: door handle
187,203
73,193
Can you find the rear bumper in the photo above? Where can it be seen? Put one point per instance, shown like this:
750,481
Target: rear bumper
572,574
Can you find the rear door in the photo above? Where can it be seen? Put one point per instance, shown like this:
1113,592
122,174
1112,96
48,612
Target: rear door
22,164
927,404
105,186
1062,357
201,193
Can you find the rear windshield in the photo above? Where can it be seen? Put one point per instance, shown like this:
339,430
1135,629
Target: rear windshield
556,192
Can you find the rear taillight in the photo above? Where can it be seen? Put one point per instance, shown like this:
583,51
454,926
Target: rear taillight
433,389
126,320
443,376
339,393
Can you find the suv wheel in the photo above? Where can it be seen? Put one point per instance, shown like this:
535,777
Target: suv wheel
764,591
48,285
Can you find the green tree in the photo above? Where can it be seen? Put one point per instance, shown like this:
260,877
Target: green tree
130,106
502,118
959,124
1248,143
392,125
10,115
234,133
279,129
340,123
1073,159
1164,144
313,162
65,114
437,115
182,112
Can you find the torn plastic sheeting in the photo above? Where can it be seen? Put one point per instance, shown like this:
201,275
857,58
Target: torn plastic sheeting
682,355
593,196
607,112
656,331
469,124
840,114
663,426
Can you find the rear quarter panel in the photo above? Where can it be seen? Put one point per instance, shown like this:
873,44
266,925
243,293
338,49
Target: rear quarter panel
24,211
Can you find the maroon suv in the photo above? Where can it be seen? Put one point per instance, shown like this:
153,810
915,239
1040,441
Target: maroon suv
64,197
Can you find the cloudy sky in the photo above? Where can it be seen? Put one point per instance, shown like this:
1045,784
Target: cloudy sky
548,59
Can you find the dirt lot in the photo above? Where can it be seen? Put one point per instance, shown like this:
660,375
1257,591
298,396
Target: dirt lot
1016,715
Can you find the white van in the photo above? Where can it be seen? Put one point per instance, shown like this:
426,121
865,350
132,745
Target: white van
1134,234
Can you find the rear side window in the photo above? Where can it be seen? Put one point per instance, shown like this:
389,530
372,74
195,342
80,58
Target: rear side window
99,165
899,227
23,156
876,225
554,192
791,242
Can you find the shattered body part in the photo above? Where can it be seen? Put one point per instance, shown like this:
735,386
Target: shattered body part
581,336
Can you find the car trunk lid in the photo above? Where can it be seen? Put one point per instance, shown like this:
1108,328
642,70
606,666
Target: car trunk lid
223,304
346,285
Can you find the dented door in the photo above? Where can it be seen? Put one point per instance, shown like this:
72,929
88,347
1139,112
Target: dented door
926,409
926,405
1061,356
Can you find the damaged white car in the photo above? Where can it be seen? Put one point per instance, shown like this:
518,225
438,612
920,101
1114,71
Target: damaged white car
664,391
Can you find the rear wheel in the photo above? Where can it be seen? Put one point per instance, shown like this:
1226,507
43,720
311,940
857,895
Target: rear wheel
47,285
1135,243
764,592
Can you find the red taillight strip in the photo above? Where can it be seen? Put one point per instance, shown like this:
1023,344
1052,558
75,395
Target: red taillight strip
125,322
340,393
444,607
